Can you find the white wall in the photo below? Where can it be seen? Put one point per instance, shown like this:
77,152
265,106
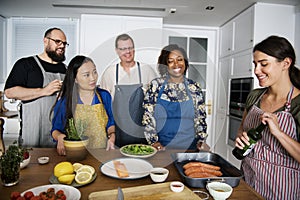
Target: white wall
2,50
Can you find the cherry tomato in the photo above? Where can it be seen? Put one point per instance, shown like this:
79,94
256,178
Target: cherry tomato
28,195
35,198
60,192
14,195
63,197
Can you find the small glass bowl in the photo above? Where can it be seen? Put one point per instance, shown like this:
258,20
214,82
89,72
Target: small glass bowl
43,160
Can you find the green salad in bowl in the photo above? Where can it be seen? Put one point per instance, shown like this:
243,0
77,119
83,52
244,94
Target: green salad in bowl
138,150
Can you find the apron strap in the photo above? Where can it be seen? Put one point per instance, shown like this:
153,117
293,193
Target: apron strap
39,64
289,100
117,73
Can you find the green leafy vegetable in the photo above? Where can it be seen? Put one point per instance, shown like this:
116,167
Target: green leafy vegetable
138,149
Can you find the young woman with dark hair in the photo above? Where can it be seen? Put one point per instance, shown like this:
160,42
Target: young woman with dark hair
81,99
272,168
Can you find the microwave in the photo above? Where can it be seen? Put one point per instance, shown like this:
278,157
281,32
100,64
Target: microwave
239,90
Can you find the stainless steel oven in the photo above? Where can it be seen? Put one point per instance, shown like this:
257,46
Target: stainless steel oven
239,90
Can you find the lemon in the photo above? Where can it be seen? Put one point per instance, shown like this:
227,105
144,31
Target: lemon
86,168
63,168
83,177
76,166
66,179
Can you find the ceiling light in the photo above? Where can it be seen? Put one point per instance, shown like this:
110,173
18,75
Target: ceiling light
109,7
172,10
209,8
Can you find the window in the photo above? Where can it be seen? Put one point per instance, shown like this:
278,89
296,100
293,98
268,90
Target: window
196,49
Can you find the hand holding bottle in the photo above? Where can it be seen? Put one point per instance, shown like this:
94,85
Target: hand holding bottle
242,140
249,140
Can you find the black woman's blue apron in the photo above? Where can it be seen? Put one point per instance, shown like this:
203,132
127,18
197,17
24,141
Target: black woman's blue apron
175,121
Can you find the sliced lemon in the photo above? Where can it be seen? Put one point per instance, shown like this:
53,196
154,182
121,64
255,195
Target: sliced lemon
83,177
63,168
66,179
76,166
86,168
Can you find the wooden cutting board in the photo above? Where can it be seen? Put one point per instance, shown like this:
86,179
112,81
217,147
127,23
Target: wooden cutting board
160,191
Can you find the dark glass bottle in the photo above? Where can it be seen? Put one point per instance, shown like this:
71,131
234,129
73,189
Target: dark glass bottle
254,135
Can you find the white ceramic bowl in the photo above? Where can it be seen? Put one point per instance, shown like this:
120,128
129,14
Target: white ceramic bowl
176,186
159,174
218,190
43,160
25,162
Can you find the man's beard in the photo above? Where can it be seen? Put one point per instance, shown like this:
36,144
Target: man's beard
55,57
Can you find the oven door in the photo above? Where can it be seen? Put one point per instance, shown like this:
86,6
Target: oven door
234,124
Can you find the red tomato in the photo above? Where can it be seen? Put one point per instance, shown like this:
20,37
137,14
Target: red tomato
14,195
43,195
50,190
25,155
35,198
21,198
28,195
51,196
63,197
60,192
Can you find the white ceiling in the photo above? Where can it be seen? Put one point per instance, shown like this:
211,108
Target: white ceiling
188,12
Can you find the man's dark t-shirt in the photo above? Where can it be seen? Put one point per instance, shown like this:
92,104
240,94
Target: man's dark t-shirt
27,73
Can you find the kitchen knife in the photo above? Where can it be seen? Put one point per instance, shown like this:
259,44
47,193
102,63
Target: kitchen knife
120,194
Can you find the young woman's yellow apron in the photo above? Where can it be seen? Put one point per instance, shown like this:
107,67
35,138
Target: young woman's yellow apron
96,119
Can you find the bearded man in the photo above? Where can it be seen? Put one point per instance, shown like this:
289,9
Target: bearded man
35,81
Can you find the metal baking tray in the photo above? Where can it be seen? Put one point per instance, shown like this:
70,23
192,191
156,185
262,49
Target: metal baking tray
231,175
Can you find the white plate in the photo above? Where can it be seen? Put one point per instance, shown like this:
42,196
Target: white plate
137,168
138,155
70,192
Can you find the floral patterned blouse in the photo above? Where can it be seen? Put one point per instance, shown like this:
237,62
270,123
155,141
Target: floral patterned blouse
174,92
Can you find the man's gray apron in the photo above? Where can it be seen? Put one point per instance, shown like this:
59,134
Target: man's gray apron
35,122
128,112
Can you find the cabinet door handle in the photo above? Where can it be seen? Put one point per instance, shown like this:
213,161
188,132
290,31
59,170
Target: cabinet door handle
209,107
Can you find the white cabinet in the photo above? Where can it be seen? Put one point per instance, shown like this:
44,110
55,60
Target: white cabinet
226,39
222,84
220,145
98,34
242,64
243,31
237,34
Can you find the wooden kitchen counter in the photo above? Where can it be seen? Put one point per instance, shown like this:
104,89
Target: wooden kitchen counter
36,175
